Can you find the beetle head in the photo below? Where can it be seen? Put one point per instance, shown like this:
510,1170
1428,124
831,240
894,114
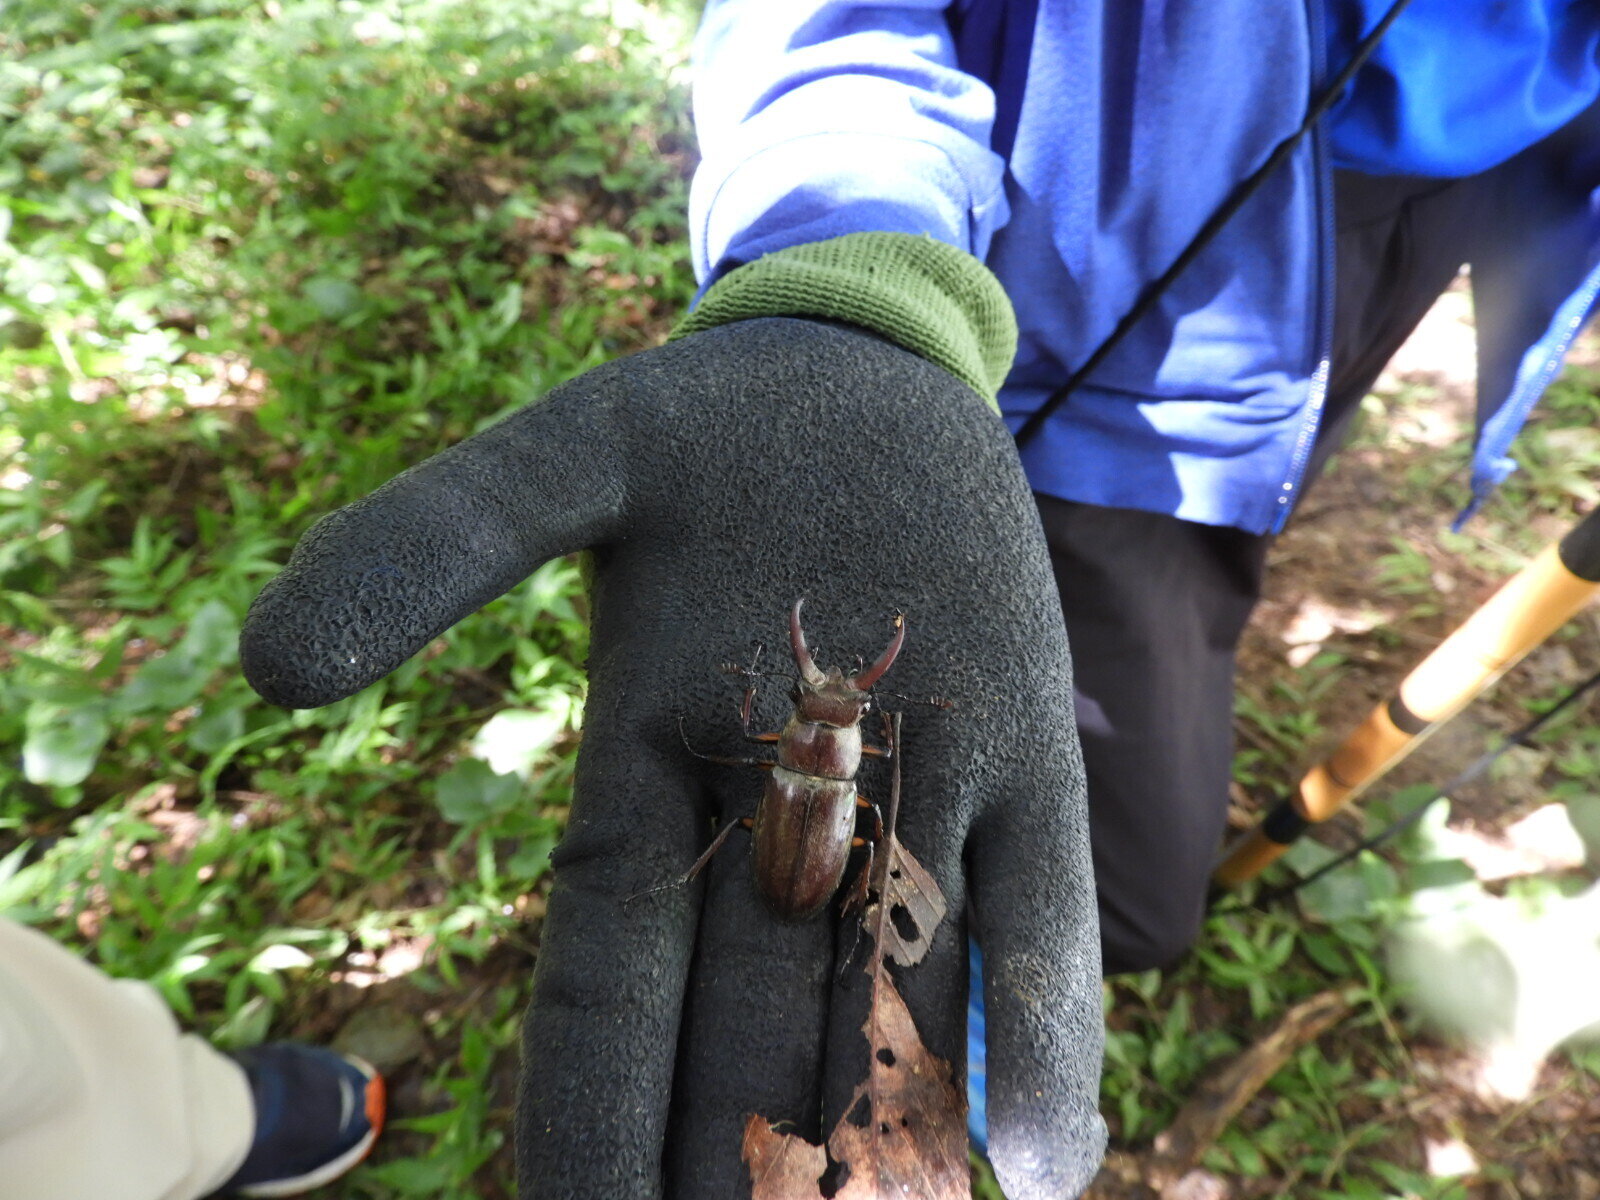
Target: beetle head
830,696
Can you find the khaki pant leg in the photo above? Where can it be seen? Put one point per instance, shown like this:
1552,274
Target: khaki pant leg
100,1094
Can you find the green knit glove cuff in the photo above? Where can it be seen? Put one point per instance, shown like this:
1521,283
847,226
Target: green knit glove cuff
927,296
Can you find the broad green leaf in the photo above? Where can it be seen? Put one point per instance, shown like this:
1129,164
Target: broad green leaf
62,745
332,298
247,1025
220,722
472,791
513,741
532,859
212,639
281,957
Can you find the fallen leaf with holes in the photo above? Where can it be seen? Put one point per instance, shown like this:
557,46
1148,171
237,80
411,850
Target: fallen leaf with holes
905,1132
783,1166
916,906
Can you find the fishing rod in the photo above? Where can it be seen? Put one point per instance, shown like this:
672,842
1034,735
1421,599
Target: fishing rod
1526,610
1214,224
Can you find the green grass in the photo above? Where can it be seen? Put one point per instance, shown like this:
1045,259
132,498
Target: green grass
258,258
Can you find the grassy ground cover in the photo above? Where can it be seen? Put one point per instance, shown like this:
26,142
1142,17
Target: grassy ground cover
256,258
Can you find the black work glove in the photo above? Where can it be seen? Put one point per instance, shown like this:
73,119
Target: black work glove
718,479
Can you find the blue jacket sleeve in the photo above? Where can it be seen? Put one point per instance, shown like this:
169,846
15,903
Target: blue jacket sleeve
818,118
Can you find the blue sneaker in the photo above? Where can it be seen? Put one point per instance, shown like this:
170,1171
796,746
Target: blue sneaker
317,1115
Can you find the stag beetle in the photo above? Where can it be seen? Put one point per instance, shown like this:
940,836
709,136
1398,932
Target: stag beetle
804,825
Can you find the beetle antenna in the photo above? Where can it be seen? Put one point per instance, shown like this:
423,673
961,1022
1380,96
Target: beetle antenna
750,672
684,734
939,702
730,668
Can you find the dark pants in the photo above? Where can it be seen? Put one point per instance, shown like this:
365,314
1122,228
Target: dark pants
1155,606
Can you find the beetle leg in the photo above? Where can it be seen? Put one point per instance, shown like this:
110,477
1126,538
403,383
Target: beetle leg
727,760
744,720
750,672
858,896
859,893
699,863
932,701
716,844
722,759
877,818
885,751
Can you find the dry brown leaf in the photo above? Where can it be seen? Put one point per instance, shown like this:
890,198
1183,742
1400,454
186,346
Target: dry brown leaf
916,906
783,1166
905,1133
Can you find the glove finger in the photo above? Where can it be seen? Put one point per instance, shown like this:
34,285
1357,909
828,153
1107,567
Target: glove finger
371,584
754,1028
600,1034
1035,917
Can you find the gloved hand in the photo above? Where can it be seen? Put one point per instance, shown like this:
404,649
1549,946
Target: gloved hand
717,479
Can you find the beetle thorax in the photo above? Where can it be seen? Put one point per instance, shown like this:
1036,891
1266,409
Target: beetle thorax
819,749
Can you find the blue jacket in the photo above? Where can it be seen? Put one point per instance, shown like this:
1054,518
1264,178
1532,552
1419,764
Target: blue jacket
1076,147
